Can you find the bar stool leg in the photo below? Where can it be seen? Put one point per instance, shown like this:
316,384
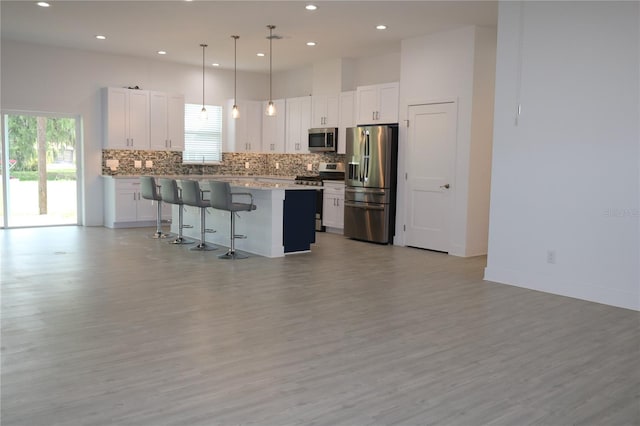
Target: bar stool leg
159,233
181,239
232,253
203,246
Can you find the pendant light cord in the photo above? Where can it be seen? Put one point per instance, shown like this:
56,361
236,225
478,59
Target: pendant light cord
203,47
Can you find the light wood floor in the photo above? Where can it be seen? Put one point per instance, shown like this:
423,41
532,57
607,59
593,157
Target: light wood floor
104,326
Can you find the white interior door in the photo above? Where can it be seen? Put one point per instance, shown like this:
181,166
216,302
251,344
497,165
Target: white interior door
430,161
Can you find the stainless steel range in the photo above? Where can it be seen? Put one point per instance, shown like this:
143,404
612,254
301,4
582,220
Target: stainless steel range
326,171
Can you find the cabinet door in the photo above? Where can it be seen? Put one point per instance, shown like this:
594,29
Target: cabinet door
367,104
253,127
347,118
158,138
325,111
139,119
333,111
328,209
388,103
340,211
273,128
298,123
117,132
305,125
175,122
293,125
126,205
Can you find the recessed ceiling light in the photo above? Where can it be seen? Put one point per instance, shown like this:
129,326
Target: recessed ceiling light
311,43
162,52
215,64
43,4
260,54
381,27
311,7
101,37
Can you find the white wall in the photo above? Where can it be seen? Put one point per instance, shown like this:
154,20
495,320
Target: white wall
442,67
566,177
376,69
40,78
293,83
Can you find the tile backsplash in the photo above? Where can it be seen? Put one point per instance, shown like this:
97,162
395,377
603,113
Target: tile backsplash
170,163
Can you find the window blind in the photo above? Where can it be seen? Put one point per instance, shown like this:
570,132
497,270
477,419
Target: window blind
202,138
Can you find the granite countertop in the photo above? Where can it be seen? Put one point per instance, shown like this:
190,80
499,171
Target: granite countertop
248,182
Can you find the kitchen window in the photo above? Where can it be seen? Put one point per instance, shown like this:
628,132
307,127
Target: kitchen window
202,137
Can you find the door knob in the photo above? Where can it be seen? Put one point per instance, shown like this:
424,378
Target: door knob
445,186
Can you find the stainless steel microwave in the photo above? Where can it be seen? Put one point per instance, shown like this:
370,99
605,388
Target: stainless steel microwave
323,140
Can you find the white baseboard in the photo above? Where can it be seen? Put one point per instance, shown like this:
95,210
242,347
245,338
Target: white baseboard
578,290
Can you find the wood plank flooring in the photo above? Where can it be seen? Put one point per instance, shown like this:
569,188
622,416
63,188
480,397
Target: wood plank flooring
103,326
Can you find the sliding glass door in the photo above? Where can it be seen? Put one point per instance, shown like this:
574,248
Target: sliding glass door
39,170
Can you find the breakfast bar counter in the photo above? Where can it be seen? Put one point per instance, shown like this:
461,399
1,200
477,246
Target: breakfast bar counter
283,222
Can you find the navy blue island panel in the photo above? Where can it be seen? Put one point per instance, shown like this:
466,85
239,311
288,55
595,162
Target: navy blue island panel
299,227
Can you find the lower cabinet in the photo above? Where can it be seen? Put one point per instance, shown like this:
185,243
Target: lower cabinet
124,206
333,206
299,220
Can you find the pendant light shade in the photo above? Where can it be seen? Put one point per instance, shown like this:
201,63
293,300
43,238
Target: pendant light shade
235,112
271,108
203,112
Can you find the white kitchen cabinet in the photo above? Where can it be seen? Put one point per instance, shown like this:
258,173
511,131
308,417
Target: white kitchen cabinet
273,128
298,124
166,115
325,111
126,118
244,134
347,118
333,206
124,206
377,104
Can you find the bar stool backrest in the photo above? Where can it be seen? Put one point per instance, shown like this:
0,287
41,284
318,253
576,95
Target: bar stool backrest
221,195
169,191
191,194
148,188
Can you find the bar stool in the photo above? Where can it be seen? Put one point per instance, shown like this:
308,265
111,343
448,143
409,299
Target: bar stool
170,193
192,195
149,191
222,199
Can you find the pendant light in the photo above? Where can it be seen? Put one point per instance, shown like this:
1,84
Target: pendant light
235,112
203,112
271,108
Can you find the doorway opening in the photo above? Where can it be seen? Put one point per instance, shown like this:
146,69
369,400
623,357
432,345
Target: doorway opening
39,170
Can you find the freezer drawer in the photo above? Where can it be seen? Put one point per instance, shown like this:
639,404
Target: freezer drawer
368,195
367,221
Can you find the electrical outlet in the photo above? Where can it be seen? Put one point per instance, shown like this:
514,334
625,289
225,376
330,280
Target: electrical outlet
113,164
309,167
246,165
137,164
551,256
277,166
148,164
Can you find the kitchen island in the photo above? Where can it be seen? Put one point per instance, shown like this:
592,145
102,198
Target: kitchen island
283,222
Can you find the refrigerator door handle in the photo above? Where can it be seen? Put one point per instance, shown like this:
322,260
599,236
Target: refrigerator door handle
365,157
364,192
365,206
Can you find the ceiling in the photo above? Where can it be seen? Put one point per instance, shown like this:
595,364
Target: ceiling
141,28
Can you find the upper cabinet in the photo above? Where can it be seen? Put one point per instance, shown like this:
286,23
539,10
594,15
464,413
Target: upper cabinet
377,104
325,111
347,118
166,112
273,128
127,118
298,124
245,132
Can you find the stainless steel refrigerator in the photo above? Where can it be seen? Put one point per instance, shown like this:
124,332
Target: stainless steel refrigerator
370,179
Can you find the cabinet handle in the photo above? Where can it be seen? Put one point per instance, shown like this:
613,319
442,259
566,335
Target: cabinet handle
377,115
134,196
170,144
373,115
